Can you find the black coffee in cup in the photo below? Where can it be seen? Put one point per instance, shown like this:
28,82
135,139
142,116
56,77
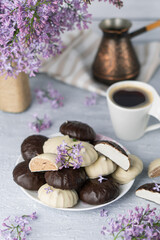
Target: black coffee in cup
131,97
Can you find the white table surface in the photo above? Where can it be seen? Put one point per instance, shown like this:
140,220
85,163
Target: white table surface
52,223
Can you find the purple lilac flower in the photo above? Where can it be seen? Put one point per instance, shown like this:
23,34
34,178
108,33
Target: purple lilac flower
31,30
117,3
100,179
17,228
48,190
69,155
33,216
103,213
104,230
91,100
157,187
40,123
139,224
49,95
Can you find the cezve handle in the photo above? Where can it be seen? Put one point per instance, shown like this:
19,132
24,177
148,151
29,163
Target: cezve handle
145,29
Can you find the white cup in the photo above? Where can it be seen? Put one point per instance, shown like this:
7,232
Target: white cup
132,123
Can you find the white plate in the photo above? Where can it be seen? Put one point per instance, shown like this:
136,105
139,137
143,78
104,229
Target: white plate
81,206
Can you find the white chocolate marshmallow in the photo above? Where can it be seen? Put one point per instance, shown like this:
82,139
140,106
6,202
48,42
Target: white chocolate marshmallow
102,166
123,177
57,198
88,153
50,146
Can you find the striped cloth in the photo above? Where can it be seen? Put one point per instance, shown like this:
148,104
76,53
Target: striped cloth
73,66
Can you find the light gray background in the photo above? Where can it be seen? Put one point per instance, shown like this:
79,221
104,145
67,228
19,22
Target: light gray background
140,12
56,224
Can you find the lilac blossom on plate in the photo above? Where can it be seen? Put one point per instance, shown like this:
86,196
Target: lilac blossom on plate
157,187
139,224
49,95
69,156
48,190
18,228
101,179
40,124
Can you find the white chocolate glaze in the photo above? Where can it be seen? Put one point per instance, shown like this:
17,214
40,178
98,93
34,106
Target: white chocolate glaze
50,146
102,166
57,198
88,153
121,176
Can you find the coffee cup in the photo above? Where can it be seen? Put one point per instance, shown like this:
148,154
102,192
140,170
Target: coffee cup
131,103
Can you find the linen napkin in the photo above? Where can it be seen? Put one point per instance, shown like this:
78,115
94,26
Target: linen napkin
73,66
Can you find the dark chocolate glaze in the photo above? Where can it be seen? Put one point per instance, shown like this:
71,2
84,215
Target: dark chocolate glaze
32,146
66,178
78,130
114,145
93,192
27,179
149,187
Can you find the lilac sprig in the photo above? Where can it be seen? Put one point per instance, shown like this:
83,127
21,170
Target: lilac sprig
139,224
49,95
117,3
40,124
69,155
32,30
91,100
17,228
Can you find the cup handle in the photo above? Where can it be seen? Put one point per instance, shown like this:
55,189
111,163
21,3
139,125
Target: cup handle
154,111
152,127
